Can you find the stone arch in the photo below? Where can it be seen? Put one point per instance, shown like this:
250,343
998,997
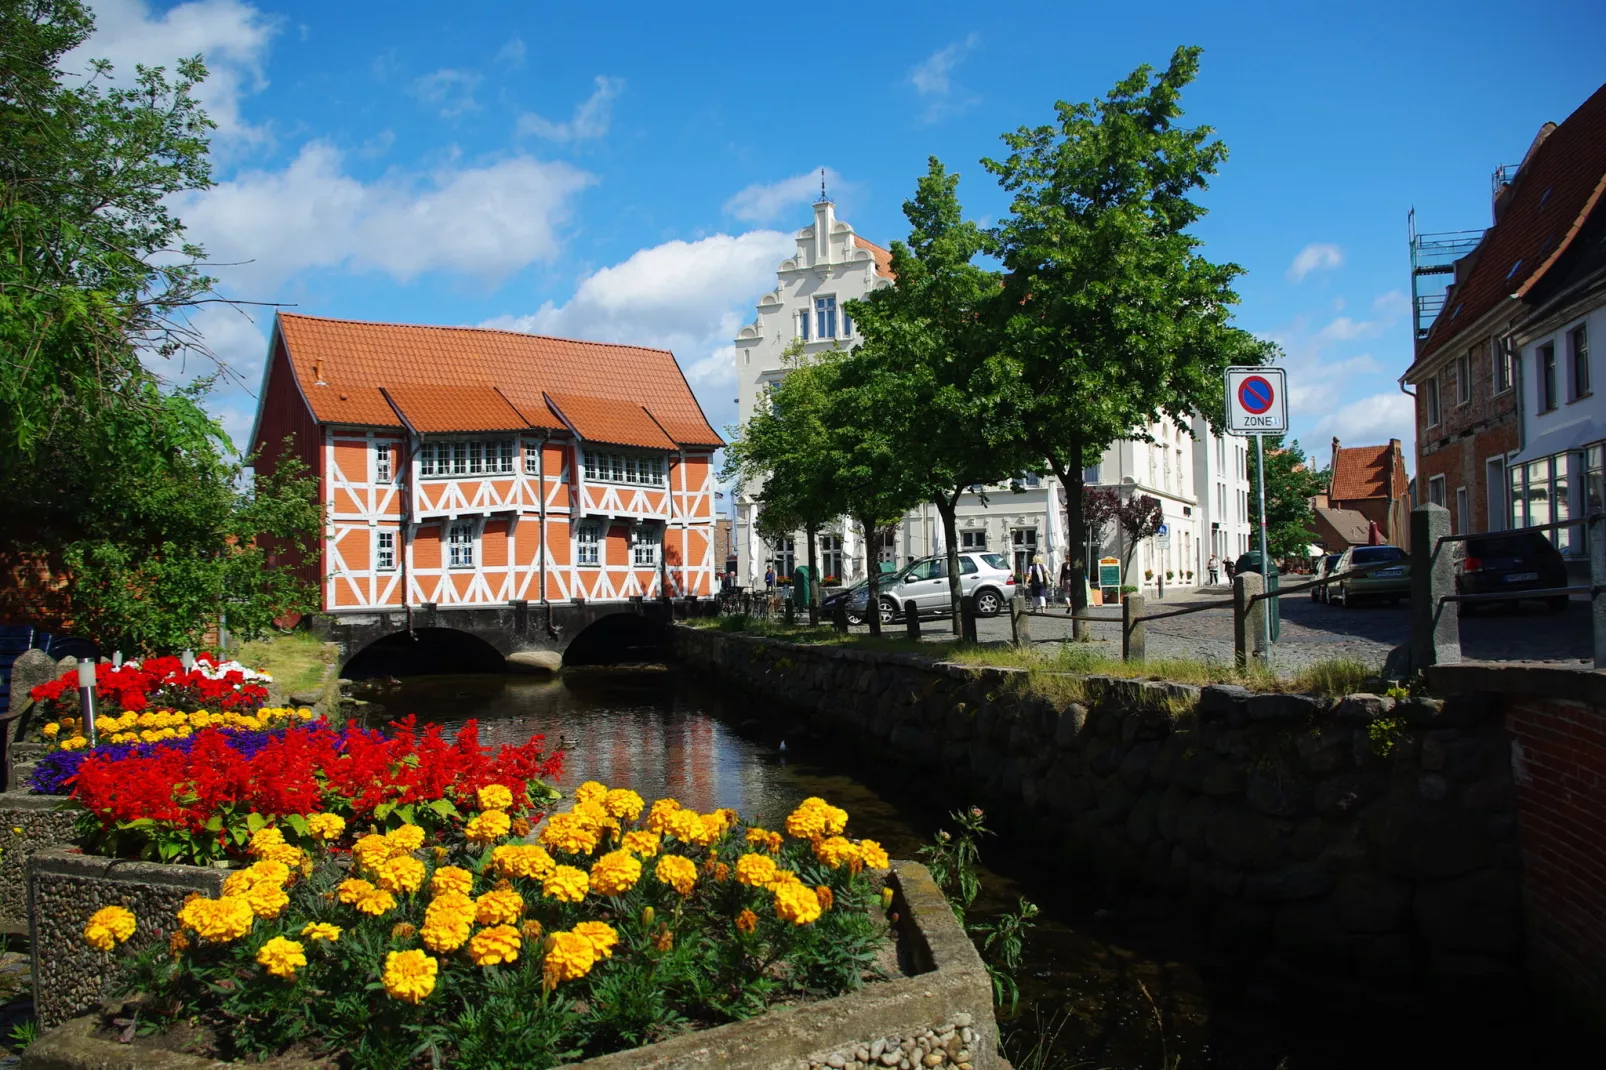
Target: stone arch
618,638
424,651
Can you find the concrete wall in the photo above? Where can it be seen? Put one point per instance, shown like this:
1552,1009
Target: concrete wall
1360,838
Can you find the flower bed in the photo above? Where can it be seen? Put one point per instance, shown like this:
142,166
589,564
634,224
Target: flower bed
160,683
452,943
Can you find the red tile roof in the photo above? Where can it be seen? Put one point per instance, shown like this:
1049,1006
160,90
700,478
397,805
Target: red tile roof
340,366
435,409
619,423
1360,472
1556,188
883,258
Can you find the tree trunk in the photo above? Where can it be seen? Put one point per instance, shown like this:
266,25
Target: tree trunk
814,577
946,507
1076,536
872,576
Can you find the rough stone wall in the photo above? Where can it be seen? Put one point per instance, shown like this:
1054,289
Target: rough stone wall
65,888
28,823
1361,837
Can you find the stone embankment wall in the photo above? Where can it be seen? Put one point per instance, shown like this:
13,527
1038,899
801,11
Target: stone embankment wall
1357,837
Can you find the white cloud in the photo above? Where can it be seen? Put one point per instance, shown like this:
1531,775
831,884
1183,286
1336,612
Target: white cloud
932,78
590,120
1344,329
485,222
1372,421
450,91
765,202
689,297
232,37
1392,304
512,54
1317,256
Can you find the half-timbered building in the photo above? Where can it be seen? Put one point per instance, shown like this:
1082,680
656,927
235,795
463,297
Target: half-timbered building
464,467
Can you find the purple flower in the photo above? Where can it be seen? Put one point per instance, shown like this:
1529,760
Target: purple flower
53,774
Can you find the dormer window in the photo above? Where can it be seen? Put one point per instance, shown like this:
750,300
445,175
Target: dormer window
636,469
825,317
473,457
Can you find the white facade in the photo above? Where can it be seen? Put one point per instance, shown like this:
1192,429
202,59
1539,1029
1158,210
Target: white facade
1202,486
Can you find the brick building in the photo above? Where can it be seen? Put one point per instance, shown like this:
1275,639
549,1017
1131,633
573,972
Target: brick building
1369,481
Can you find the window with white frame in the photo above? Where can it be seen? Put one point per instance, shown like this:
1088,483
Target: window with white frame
384,550
1504,364
1436,490
645,470
381,462
1463,512
1430,400
973,540
831,556
645,553
532,459
588,544
825,317
1463,379
803,324
847,324
1545,370
460,545
469,457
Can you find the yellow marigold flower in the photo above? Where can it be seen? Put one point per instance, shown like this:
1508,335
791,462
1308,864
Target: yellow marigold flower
266,900
494,797
641,842
326,826
445,935
873,854
569,956
321,930
658,816
757,837
51,730
402,875
375,902
500,906
264,838
603,936
664,940
836,820
406,837
409,975
594,816
807,821
567,832
615,873
217,920
722,820
755,869
796,902
292,858
352,889
452,879
826,897
373,850
722,872
590,791
623,804
282,957
522,860
488,827
108,927
746,921
835,852
566,884
495,945
677,872
688,826
521,827
178,943
403,930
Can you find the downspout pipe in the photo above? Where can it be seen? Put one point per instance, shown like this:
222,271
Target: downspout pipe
411,439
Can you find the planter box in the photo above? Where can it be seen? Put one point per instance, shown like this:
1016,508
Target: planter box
28,824
943,1007
64,888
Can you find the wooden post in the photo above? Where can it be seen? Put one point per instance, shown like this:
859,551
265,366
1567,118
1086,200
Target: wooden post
1132,633
911,618
1248,629
1020,624
967,619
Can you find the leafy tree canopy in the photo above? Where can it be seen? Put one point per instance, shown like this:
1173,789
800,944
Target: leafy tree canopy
1291,483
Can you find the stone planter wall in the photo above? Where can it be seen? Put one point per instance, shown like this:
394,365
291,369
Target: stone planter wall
65,888
939,1017
28,823
1357,838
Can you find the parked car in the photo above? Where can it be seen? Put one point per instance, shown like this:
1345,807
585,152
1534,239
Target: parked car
1324,567
853,599
1522,561
986,576
1391,581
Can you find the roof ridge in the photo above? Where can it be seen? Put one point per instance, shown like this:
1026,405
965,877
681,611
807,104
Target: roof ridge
861,238
479,330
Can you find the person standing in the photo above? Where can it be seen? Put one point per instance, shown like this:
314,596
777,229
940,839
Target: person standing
1066,575
1214,569
769,579
1037,581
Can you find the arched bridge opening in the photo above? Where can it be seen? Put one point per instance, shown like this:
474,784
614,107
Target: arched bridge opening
619,639
423,652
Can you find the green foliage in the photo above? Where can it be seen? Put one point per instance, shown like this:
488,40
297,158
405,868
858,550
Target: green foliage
24,1033
1290,485
1385,734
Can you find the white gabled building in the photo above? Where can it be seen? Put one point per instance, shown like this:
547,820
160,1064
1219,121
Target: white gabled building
1202,484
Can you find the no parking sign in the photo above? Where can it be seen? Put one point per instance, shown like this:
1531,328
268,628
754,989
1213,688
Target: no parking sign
1257,401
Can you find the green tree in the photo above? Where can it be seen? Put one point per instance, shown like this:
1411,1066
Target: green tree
927,349
1291,483
1109,317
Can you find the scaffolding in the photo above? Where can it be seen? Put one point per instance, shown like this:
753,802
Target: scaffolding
1433,259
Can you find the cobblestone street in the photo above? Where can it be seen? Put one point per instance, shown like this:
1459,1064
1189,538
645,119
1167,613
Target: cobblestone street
1313,632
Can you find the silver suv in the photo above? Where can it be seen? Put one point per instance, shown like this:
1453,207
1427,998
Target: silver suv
985,575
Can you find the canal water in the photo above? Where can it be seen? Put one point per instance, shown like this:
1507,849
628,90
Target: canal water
1104,985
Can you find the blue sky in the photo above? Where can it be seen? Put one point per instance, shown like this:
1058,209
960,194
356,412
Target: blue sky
633,173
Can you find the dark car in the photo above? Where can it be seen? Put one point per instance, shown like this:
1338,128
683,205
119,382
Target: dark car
1522,561
1324,568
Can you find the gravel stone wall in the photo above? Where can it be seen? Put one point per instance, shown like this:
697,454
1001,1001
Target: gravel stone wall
950,1043
28,823
1360,838
65,888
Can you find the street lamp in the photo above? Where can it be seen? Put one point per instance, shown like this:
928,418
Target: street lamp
86,697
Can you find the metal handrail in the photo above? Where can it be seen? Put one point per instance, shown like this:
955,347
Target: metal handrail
1521,596
1575,522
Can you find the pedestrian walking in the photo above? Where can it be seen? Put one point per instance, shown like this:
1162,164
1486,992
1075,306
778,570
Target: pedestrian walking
1067,574
769,579
1214,568
1231,568
1037,580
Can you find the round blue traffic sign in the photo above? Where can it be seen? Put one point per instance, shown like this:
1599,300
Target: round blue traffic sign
1255,394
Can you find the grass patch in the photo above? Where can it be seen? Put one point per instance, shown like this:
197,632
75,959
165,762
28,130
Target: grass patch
296,660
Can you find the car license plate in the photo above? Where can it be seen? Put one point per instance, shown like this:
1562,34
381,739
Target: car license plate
1522,577
1391,572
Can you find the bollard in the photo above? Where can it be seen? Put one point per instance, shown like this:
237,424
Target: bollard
1020,625
1248,625
839,620
1435,625
967,619
1597,585
911,618
1132,634
791,612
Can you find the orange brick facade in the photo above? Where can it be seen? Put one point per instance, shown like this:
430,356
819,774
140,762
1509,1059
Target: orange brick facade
1467,435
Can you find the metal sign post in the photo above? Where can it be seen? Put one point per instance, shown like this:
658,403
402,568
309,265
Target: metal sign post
1257,406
